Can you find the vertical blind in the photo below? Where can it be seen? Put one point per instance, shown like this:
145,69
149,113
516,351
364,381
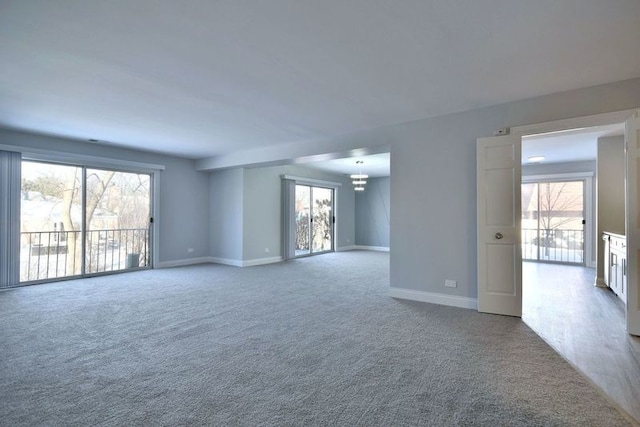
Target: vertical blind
10,164
288,223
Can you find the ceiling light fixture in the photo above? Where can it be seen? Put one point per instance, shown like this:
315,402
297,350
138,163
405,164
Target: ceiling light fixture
535,159
359,179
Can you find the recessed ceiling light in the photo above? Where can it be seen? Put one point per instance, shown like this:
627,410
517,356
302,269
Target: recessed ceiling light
94,140
535,159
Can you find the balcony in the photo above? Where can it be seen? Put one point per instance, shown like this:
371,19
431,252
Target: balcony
562,246
57,254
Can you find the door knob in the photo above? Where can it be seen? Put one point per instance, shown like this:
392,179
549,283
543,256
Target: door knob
499,235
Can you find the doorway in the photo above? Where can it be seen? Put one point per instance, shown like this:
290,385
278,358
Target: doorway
79,221
583,322
499,214
314,219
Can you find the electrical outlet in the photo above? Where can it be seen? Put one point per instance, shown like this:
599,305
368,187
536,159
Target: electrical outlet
190,250
266,250
448,283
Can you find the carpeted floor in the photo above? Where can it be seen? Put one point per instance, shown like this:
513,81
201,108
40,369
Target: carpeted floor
314,341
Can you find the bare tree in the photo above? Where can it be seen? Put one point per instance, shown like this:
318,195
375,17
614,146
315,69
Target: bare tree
561,204
71,196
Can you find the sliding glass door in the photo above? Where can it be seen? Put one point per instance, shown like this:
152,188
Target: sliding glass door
322,219
50,221
553,221
78,221
118,216
314,219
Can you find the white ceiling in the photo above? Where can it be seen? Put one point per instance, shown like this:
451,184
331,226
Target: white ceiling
204,78
557,147
375,165
567,146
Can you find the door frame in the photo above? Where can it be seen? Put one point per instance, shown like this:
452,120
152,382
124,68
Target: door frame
332,221
288,217
602,119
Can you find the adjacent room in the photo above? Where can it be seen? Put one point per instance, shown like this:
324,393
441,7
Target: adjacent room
319,213
574,272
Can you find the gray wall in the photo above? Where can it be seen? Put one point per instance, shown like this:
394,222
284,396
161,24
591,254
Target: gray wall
433,190
183,215
263,209
246,211
611,198
226,211
588,166
373,213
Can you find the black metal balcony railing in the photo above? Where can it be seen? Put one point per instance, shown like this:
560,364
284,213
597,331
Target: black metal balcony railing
55,254
565,246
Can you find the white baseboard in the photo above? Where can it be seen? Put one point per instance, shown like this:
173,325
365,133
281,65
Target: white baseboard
433,298
183,262
363,248
373,248
245,263
262,261
226,261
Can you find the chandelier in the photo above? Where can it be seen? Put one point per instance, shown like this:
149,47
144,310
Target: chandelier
359,179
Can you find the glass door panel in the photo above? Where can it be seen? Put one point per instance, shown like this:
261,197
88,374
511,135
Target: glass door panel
76,221
314,219
117,217
322,224
530,221
303,219
553,221
50,221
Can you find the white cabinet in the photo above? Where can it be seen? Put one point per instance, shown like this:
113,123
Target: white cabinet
615,264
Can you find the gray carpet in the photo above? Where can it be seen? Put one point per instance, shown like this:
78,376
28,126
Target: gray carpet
314,341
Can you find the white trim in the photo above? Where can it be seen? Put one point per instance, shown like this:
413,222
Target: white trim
184,262
602,119
312,181
41,155
226,261
261,261
373,248
433,298
346,248
557,176
245,263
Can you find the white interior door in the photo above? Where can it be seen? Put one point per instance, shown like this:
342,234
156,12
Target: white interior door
633,224
499,251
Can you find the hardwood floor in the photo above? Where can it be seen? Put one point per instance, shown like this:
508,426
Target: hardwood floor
586,325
